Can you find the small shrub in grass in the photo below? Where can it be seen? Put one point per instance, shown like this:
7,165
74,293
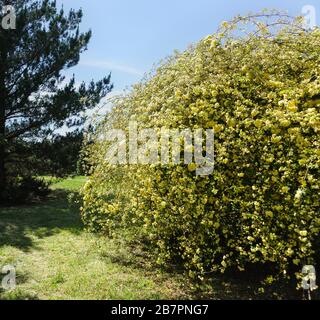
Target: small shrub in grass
21,190
261,95
36,186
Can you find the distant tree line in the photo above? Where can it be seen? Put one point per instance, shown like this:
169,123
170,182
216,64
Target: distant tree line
57,155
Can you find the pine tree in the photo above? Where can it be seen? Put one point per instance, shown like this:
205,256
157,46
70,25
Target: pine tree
35,97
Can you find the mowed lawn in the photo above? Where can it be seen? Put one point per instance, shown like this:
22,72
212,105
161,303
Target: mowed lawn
56,258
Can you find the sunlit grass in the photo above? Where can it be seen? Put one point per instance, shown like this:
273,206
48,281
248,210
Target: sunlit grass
68,184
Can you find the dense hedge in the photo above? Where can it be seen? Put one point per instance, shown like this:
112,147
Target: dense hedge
261,94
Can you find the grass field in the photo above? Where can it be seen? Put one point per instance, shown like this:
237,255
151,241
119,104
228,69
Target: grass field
56,258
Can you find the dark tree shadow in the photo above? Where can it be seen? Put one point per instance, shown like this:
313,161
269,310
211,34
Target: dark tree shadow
19,225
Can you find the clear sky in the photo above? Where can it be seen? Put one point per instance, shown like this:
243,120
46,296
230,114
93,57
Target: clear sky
129,36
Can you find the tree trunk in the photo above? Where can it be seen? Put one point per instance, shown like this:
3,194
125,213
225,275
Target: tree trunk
3,180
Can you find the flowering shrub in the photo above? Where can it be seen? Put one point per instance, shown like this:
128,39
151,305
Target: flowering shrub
259,88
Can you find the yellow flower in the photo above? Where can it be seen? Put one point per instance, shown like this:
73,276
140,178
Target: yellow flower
269,214
292,106
225,24
192,167
303,233
258,123
218,128
285,123
296,261
276,139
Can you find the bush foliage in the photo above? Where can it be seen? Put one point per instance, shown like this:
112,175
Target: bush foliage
22,190
257,83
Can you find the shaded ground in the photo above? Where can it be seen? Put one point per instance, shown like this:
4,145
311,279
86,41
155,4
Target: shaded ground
56,258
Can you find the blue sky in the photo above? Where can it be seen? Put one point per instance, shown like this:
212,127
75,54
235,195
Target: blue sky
129,36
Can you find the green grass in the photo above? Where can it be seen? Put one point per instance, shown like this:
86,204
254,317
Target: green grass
56,258
69,184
